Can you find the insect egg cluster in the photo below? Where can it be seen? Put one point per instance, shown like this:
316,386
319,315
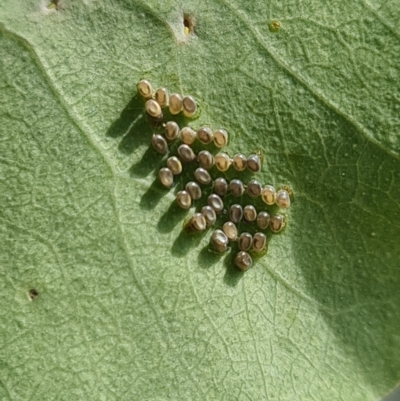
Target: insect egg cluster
244,211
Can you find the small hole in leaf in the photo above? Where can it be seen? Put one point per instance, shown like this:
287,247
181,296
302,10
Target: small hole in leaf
33,294
54,4
188,24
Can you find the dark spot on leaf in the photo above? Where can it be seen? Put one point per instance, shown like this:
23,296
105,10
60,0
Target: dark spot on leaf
188,24
56,4
33,294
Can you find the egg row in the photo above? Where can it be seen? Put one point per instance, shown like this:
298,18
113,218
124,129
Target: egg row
206,160
188,135
229,233
236,187
254,189
263,219
219,137
160,98
246,242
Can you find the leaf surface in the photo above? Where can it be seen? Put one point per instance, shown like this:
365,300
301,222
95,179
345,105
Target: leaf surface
128,307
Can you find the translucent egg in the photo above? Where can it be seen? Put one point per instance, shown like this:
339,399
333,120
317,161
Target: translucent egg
174,164
209,214
259,242
249,213
263,219
202,176
219,241
153,109
254,188
193,189
236,187
220,138
166,177
197,222
145,89
205,135
188,135
245,241
171,130
243,260
183,199
230,230
220,186
159,144
235,213
189,106
282,199
222,161
276,223
205,159
254,163
186,153
216,203
161,97
175,103
268,194
239,162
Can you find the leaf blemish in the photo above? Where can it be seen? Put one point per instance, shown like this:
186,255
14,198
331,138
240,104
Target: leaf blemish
54,4
188,24
33,294
274,26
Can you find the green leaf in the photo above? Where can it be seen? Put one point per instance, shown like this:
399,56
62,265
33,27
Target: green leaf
127,307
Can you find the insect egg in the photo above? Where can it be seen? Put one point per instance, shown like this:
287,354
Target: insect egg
216,203
188,135
250,213
220,186
205,159
193,189
220,138
209,214
153,109
166,177
174,164
202,176
189,106
254,188
245,241
282,199
237,188
175,103
230,230
171,130
186,153
205,135
239,162
259,242
254,163
161,97
276,223
159,144
243,260
219,241
222,161
145,89
235,213
268,194
263,219
183,199
198,222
